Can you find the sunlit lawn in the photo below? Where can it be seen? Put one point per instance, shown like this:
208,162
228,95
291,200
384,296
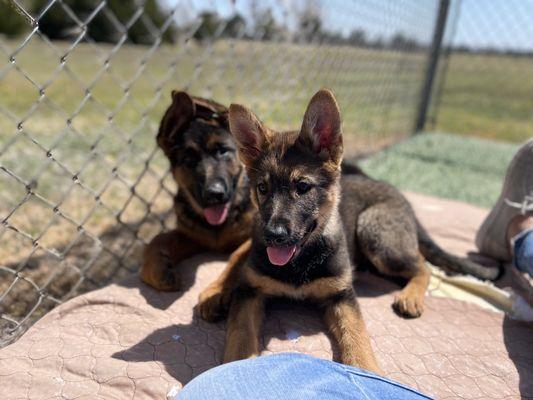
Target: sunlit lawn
488,96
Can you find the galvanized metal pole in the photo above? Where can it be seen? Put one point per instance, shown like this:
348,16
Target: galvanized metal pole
433,61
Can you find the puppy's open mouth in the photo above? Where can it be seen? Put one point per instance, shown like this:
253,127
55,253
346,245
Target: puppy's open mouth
281,255
216,215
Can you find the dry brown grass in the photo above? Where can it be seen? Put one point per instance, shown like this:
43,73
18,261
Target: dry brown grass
79,194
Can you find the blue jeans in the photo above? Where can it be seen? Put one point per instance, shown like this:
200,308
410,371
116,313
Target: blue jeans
292,376
523,251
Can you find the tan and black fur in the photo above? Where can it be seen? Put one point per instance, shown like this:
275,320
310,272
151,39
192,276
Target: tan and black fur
295,182
334,220
194,135
190,133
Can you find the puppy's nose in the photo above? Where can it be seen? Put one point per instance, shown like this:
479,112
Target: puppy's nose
277,234
215,192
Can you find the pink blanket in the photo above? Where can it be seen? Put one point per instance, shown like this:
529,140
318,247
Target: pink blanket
126,341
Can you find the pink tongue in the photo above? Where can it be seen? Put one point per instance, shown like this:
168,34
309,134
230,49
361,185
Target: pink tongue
280,255
216,215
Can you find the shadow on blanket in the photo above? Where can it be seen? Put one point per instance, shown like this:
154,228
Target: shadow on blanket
198,346
188,269
518,339
456,332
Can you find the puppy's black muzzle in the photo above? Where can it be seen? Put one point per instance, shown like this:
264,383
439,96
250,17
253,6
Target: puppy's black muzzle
277,234
215,193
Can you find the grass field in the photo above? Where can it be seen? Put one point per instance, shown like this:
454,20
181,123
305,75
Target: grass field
445,165
487,96
112,98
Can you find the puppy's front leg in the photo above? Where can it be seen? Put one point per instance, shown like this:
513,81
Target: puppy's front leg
161,257
214,301
244,325
345,322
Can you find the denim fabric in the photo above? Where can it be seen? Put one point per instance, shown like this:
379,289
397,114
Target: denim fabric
292,376
523,251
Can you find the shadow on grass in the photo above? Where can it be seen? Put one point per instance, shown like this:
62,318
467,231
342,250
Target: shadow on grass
33,285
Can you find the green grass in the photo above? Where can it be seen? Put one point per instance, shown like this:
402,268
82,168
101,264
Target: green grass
276,80
445,165
92,120
487,96
90,115
377,91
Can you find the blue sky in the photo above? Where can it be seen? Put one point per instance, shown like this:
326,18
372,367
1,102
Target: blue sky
502,24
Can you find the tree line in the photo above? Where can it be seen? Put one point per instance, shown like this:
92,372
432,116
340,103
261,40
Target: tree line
310,28
108,25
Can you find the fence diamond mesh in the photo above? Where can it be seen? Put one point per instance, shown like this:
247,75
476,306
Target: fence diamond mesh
83,85
486,75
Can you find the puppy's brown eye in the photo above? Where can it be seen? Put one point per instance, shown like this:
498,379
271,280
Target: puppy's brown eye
303,187
262,188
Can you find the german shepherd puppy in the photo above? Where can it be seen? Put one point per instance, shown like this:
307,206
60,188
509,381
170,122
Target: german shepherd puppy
305,237
212,206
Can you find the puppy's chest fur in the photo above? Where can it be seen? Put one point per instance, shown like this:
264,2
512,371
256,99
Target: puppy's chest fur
316,273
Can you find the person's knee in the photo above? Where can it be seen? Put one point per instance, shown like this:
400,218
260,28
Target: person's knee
280,376
292,376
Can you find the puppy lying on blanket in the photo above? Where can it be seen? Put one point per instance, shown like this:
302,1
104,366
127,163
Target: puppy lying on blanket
305,235
212,206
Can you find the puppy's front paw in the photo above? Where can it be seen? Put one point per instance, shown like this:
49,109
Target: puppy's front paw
409,304
213,304
170,280
161,275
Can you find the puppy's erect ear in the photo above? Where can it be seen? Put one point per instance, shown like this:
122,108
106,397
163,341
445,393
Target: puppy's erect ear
249,133
176,118
321,128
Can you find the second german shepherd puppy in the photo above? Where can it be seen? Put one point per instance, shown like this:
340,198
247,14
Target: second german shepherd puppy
212,205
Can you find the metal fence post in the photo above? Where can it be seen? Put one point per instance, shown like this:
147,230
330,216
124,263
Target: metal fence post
433,60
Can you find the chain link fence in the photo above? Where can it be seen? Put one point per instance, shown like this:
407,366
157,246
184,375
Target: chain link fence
485,80
83,85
